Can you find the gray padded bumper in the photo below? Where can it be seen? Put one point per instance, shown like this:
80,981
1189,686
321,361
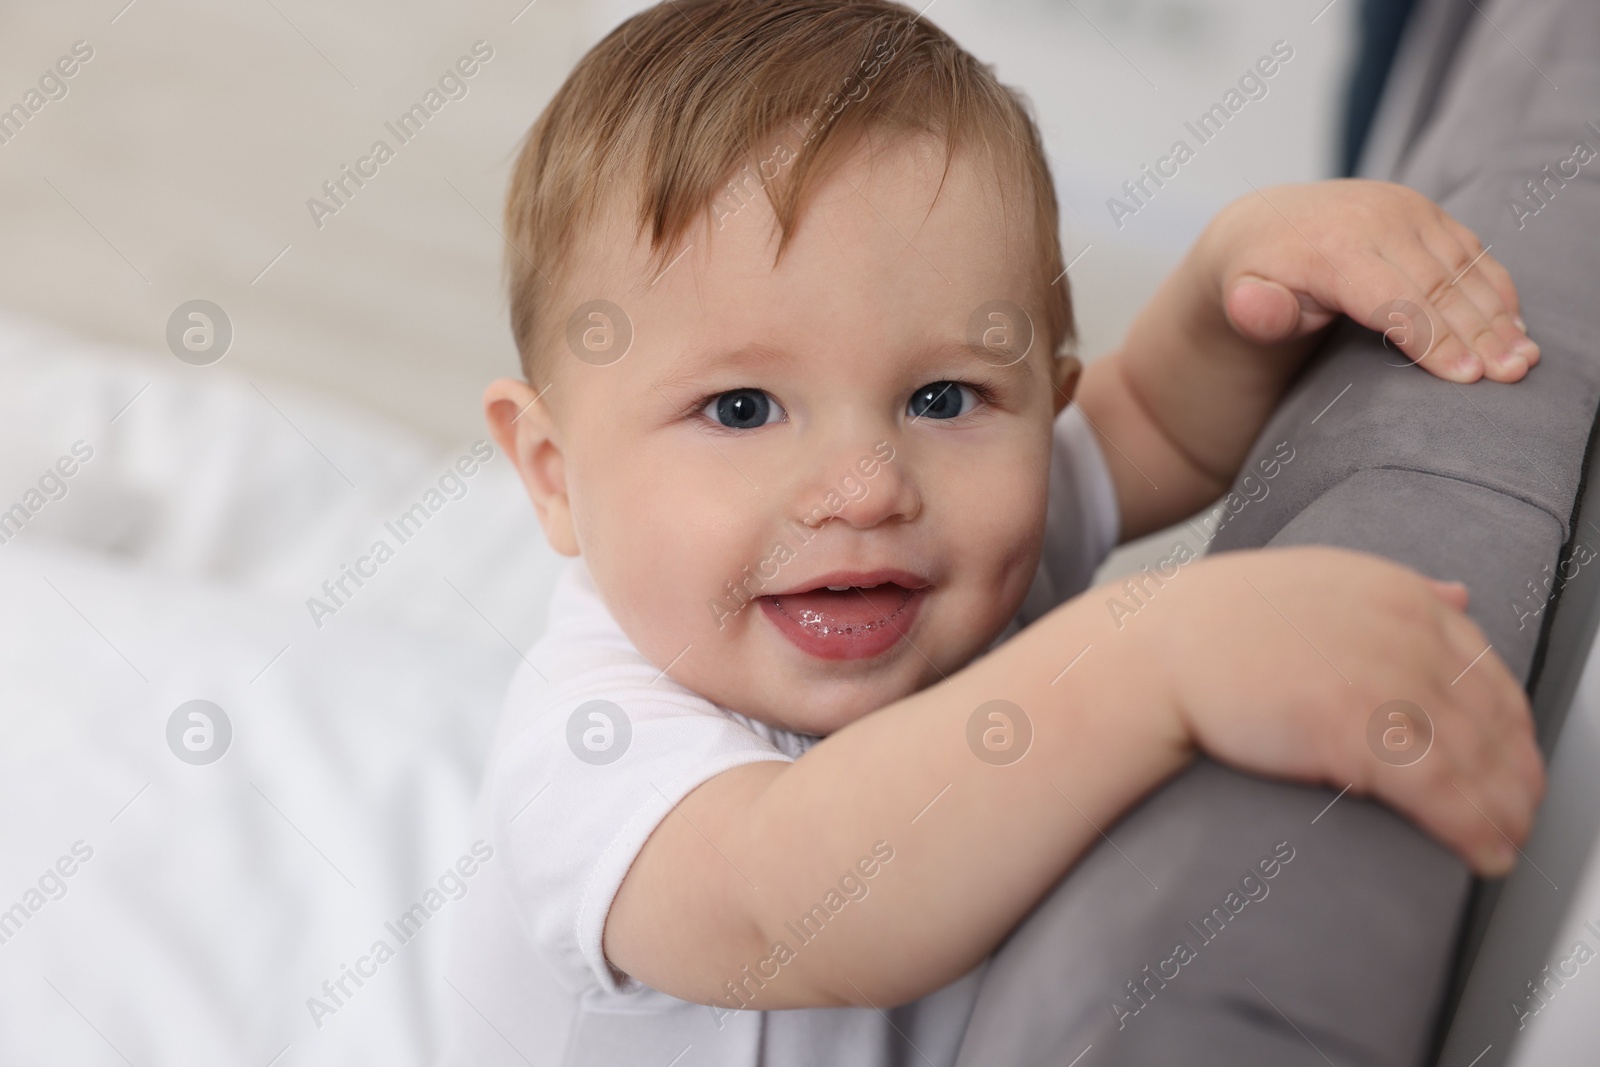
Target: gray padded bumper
1346,956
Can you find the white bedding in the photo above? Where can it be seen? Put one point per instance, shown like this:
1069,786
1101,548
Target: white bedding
218,898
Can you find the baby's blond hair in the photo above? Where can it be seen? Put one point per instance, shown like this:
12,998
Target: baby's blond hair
682,97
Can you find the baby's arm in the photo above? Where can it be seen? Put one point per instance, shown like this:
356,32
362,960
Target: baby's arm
1179,404
745,858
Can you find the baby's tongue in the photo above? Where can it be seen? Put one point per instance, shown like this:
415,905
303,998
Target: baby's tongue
845,608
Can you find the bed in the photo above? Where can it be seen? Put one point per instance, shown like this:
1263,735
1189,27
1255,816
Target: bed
208,901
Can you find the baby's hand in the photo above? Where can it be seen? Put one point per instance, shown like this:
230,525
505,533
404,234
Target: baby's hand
1280,661
1292,257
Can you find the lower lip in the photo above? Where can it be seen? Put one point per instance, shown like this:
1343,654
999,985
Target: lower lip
862,641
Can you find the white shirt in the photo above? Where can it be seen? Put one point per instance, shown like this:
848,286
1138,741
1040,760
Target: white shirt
570,798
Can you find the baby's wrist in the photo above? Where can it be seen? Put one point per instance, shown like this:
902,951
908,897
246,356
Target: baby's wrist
1170,624
1124,678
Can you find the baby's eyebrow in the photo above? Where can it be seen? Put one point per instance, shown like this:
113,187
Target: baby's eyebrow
696,363
997,359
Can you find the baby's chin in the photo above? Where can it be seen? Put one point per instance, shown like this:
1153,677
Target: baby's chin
821,706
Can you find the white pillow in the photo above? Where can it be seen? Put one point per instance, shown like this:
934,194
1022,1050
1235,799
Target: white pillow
198,473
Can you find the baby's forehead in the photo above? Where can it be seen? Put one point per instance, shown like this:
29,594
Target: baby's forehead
953,217
897,198
895,246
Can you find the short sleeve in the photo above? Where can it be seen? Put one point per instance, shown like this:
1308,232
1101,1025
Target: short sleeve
1082,522
596,758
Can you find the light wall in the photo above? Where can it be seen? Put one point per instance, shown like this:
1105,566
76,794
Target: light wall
180,163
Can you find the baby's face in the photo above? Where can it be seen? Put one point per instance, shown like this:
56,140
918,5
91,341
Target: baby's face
804,491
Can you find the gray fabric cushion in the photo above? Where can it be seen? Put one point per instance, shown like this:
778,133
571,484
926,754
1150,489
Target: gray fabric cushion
1346,958
1348,931
1469,482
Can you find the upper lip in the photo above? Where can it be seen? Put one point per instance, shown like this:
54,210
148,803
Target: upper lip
859,579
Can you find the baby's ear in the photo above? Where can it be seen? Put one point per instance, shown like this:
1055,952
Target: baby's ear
1066,369
528,436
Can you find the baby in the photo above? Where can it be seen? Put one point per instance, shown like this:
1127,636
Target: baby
820,714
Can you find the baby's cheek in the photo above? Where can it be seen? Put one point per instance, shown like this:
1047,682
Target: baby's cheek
630,541
999,538
1002,513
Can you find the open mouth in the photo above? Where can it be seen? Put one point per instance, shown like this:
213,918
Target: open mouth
845,619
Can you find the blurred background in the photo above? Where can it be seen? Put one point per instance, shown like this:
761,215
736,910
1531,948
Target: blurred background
176,165
180,162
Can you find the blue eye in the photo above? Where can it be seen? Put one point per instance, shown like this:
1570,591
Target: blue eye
743,409
941,400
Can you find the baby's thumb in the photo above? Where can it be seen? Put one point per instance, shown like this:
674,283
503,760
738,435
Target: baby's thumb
1452,593
1265,312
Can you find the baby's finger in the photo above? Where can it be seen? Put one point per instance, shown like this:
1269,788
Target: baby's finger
1452,593
1462,322
1390,303
1261,310
1476,784
1427,792
1492,269
1510,787
1521,352
1502,778
1498,760
1475,276
1495,835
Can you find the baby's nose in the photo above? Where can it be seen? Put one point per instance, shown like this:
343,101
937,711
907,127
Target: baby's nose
861,487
